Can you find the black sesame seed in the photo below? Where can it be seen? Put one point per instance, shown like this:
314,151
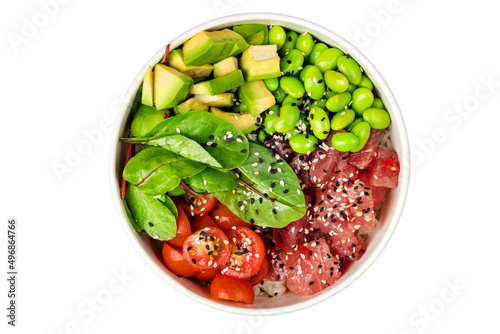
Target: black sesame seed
244,150
189,248
150,224
194,261
311,283
278,277
289,61
211,137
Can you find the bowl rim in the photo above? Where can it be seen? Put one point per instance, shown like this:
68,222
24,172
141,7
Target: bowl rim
389,100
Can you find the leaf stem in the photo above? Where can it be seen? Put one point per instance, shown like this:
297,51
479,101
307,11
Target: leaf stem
253,189
130,152
189,191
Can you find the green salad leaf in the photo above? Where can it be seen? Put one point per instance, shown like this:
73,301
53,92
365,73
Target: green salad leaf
211,180
155,171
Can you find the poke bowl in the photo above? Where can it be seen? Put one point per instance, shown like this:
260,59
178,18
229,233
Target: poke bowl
336,223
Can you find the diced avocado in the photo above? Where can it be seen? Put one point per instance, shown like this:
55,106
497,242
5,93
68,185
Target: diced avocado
226,66
147,88
258,38
219,85
145,120
240,44
245,122
175,60
256,96
203,48
247,30
228,47
170,86
190,105
260,62
219,100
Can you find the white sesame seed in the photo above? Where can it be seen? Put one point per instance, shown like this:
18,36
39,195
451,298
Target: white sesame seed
178,130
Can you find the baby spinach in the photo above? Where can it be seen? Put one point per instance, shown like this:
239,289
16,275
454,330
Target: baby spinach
211,180
155,216
156,170
219,137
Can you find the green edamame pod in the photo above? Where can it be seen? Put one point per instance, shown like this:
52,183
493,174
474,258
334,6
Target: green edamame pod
286,117
344,141
327,60
320,123
279,94
366,82
268,121
314,83
319,103
277,35
377,118
291,39
342,119
377,103
356,121
350,68
272,84
338,102
362,99
303,143
305,43
292,86
362,131
336,81
291,63
316,51
302,75
291,99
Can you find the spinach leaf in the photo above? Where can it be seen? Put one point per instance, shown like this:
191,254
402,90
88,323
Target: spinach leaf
211,180
185,147
156,170
151,215
221,139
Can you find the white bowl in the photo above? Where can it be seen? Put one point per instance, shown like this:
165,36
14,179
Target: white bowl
388,218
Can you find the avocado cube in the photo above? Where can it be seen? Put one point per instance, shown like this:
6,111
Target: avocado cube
240,44
260,62
219,100
258,38
190,105
247,30
203,48
228,47
226,66
256,96
147,88
170,86
176,61
219,84
245,122
145,120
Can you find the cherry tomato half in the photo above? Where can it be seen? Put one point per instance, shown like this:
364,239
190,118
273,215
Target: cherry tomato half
247,253
175,262
226,219
200,205
200,222
207,275
206,249
230,288
261,274
183,228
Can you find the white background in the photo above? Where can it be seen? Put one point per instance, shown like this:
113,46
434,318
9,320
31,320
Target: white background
67,78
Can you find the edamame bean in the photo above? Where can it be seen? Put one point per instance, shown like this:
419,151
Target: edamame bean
356,121
314,83
377,118
277,35
291,99
365,82
327,60
303,72
286,117
240,107
328,93
351,88
336,81
279,94
292,86
262,136
377,103
362,131
320,123
291,63
344,141
268,121
350,68
316,51
291,39
303,143
338,102
319,103
272,84
342,119
362,99
305,43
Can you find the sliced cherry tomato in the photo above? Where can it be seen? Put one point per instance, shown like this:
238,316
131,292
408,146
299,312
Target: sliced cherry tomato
230,288
226,219
199,205
391,166
202,221
207,275
183,228
261,274
206,249
247,253
175,261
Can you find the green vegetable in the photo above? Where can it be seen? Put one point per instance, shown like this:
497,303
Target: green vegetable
342,119
291,99
302,143
319,103
314,83
316,51
336,81
277,35
261,137
305,43
362,99
279,94
327,60
211,180
284,201
377,118
377,103
292,62
291,39
351,88
155,171
268,121
362,131
146,119
292,86
365,82
356,121
302,75
320,123
338,102
155,216
286,117
272,84
344,141
350,68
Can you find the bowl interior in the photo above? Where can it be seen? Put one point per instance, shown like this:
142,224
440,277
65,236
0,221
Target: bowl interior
388,216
